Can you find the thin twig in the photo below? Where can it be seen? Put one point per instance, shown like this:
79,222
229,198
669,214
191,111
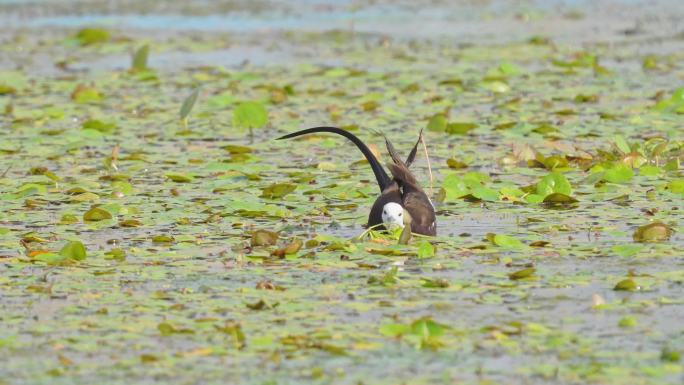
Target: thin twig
367,231
427,157
6,171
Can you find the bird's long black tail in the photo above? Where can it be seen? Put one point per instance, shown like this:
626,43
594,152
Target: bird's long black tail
380,175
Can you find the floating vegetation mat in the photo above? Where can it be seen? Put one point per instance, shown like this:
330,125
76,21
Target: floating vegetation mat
153,231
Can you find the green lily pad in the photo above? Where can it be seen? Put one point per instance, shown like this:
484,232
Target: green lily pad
96,214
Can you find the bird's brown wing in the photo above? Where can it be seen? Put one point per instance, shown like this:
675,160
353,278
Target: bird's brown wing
414,200
395,157
423,220
403,175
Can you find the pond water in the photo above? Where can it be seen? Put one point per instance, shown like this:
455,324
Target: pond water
520,101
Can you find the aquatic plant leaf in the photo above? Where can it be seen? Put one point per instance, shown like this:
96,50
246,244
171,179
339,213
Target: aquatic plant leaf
250,115
180,178
130,223
440,283
264,238
426,250
405,236
394,329
626,285
554,182
290,249
456,164
98,125
619,173
627,250
427,328
459,128
90,36
521,274
507,242
188,104
653,232
438,123
559,199
622,144
85,94
669,355
7,90
96,214
139,61
627,322
676,186
51,258
277,190
485,193
74,250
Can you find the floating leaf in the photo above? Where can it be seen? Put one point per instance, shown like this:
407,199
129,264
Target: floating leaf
130,223
653,232
264,238
459,128
235,330
485,193
506,242
166,329
627,322
626,285
179,178
669,355
290,249
163,239
435,283
426,250
51,258
96,214
7,90
370,105
68,219
85,197
554,182
437,123
277,190
456,164
235,149
521,274
98,125
261,305
558,199
394,330
86,94
619,173
676,186
427,328
116,254
74,250
626,250
90,36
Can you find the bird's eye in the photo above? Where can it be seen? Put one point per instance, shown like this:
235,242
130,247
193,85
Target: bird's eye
384,212
400,214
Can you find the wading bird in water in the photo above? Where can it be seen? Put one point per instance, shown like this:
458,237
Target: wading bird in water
401,202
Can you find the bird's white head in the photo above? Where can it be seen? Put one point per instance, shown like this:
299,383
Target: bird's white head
393,215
